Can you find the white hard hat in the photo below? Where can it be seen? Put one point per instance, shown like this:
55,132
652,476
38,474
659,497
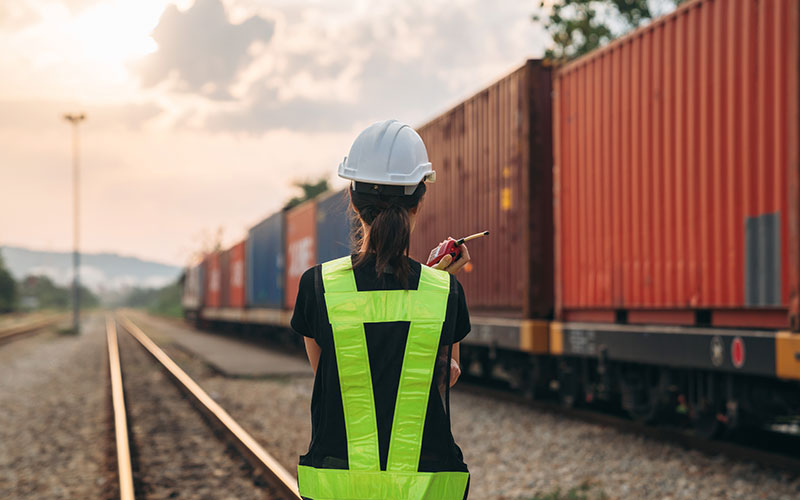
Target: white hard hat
388,153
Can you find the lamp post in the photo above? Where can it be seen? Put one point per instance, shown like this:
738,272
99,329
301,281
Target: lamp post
75,120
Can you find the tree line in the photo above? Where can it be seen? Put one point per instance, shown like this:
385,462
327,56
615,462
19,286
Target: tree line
37,292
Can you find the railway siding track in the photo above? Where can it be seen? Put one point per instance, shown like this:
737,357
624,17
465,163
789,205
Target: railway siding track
17,331
264,466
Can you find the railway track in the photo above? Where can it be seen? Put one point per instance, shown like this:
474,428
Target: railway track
760,455
163,448
18,331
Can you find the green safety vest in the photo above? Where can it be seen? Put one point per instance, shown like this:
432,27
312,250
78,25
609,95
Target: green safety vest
348,310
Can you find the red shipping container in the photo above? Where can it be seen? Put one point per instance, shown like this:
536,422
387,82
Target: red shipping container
301,247
676,171
213,280
236,264
225,278
493,160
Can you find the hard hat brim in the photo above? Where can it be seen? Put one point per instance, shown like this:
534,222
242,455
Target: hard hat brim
423,172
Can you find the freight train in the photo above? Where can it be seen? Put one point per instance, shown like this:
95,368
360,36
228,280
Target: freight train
644,214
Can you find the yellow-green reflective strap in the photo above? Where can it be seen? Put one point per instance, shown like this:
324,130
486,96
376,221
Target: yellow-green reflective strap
338,484
383,306
416,375
355,378
337,275
348,310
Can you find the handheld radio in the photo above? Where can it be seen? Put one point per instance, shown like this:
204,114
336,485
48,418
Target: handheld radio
451,247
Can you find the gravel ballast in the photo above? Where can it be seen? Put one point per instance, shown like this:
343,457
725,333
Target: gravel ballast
514,452
54,426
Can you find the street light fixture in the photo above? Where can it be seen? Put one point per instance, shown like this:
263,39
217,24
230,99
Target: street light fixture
75,120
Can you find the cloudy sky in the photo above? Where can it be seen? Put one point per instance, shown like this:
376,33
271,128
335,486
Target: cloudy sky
201,113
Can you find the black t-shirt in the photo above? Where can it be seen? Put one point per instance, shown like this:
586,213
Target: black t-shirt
386,347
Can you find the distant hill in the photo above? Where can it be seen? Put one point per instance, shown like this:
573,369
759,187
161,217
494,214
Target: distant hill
100,272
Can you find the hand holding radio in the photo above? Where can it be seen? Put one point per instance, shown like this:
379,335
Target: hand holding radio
452,255
452,264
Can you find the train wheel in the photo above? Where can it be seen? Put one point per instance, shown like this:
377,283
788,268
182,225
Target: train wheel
706,403
643,393
486,361
487,367
524,380
476,362
570,392
707,424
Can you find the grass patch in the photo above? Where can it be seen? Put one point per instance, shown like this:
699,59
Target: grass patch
168,310
67,331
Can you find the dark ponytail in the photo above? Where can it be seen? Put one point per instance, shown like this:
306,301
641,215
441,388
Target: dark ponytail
389,222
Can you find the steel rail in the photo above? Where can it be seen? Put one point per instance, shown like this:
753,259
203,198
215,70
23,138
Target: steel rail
16,331
255,454
120,417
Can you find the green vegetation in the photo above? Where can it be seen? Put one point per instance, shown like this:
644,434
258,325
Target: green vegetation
581,26
310,190
39,292
8,289
164,301
582,492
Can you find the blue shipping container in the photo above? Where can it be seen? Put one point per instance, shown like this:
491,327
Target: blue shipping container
333,226
265,262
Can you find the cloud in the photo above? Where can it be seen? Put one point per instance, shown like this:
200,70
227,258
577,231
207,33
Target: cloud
386,88
17,15
37,115
266,112
407,60
76,6
201,49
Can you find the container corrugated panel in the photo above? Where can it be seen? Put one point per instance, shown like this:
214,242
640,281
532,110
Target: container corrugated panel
236,278
213,280
493,159
225,278
301,247
334,220
193,288
264,255
676,168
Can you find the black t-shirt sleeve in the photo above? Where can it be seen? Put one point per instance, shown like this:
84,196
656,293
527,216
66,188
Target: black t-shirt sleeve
462,324
304,318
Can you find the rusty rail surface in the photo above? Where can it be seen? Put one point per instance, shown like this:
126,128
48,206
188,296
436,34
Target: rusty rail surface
261,461
120,417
